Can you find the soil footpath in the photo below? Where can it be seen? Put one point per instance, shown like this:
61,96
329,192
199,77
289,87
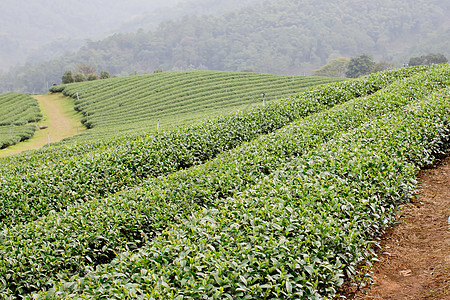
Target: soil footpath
59,116
415,257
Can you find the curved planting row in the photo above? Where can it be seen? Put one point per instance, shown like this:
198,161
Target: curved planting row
27,196
11,135
73,241
298,233
143,87
18,109
115,101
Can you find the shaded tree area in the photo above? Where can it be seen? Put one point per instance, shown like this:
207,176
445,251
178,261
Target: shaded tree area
360,65
67,77
279,37
356,66
428,59
334,68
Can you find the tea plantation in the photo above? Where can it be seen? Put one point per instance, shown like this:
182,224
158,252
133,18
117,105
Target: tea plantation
281,201
16,111
166,100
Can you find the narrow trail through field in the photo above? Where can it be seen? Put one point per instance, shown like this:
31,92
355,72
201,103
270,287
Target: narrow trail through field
415,260
59,116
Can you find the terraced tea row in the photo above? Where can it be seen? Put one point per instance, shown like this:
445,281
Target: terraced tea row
181,96
16,110
89,234
81,146
54,186
11,135
299,232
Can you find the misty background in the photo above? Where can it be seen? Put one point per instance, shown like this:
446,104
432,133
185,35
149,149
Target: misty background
39,41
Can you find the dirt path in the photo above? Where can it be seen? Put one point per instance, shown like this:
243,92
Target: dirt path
415,263
59,116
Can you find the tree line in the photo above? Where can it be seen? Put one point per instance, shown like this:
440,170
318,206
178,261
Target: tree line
365,64
84,72
278,37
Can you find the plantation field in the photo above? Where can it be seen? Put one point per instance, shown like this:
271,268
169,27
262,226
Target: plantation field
166,100
16,110
281,201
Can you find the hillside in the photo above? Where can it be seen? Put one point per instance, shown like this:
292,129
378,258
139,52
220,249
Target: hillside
146,103
283,200
278,37
152,20
59,121
28,25
34,32
17,110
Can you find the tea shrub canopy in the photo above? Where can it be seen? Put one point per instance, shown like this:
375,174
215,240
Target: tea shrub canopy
17,111
281,201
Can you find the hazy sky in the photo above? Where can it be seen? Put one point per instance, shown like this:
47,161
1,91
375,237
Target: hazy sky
26,25
41,30
53,18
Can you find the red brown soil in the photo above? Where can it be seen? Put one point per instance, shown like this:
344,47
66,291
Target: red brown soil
415,257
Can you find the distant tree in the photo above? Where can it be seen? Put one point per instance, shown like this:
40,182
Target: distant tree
381,66
360,65
334,68
104,75
92,77
67,77
428,59
86,69
158,70
79,77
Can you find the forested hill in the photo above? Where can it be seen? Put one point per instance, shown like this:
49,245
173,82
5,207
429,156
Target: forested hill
151,21
28,25
40,30
281,37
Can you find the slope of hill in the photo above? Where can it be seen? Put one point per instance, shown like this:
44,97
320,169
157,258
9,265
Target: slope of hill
280,37
27,25
16,110
189,8
170,99
34,32
283,201
59,121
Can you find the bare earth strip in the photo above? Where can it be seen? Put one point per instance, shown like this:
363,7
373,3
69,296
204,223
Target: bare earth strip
415,260
59,116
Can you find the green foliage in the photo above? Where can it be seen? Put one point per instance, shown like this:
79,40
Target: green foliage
51,35
67,77
79,77
86,69
284,215
334,68
297,233
125,162
428,59
176,98
360,65
92,77
278,37
11,135
57,88
381,66
17,110
104,75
